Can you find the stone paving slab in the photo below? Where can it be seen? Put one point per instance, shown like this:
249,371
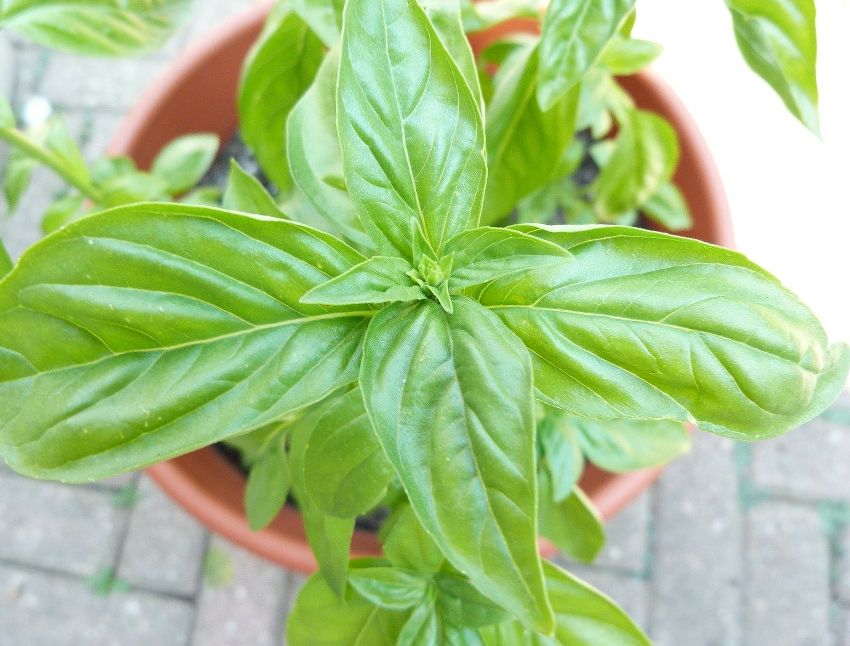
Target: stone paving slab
843,567
39,609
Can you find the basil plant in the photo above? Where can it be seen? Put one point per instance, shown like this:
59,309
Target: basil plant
435,322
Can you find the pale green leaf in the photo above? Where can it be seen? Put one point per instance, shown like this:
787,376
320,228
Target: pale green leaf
461,604
7,115
6,263
620,446
62,211
380,279
449,397
407,544
422,627
624,56
389,587
268,486
16,178
245,193
323,16
478,16
132,187
562,453
184,161
410,127
668,208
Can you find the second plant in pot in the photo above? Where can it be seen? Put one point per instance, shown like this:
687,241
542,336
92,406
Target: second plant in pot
407,367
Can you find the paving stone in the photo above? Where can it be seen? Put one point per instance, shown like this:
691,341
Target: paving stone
249,609
810,462
697,561
73,529
787,589
627,537
38,609
629,591
30,62
843,634
165,546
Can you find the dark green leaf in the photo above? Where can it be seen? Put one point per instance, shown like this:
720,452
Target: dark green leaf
389,587
779,42
278,71
268,485
345,471
574,34
722,343
410,128
183,162
380,279
525,145
573,524
668,208
449,397
176,326
621,445
643,159
245,193
407,544
103,28
562,453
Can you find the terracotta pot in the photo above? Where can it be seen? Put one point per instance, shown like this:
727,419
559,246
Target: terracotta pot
197,94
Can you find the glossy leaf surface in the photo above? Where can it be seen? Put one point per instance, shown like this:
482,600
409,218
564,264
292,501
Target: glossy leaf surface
380,279
389,587
184,161
245,193
440,390
620,446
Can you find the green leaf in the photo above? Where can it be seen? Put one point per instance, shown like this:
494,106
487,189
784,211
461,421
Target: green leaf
276,73
422,627
525,145
449,397
461,604
185,160
103,28
62,211
723,344
779,42
323,16
218,568
65,151
562,453
380,279
345,471
319,616
245,193
573,524
7,114
584,617
203,196
6,263
406,543
574,34
315,158
268,486
16,178
133,187
478,16
624,56
410,128
104,170
178,326
668,208
389,587
644,158
487,253
620,446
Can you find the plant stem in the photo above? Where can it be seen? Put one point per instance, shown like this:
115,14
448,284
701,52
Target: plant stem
18,139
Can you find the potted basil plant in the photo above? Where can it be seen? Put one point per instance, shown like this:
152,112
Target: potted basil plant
416,359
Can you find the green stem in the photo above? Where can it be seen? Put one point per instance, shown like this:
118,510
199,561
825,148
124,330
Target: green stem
18,139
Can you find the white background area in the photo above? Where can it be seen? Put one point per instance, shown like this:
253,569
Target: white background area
789,192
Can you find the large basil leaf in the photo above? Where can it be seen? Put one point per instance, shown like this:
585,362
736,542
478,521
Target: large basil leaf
643,159
583,617
103,28
148,331
410,127
319,616
279,69
573,524
712,339
323,16
449,397
574,34
380,279
625,445
345,470
525,144
779,42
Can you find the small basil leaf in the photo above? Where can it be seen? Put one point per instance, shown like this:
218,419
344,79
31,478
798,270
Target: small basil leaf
6,263
573,524
574,34
16,178
410,128
779,42
104,170
624,56
278,70
407,544
268,486
422,628
583,617
525,144
668,208
562,454
131,188
104,28
315,158
429,384
245,193
389,587
380,279
184,161
643,159
62,211
319,616
345,472
486,253
323,16
620,446
460,603
724,344
203,196
167,319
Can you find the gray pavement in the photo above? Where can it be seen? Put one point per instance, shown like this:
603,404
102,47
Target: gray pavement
741,545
